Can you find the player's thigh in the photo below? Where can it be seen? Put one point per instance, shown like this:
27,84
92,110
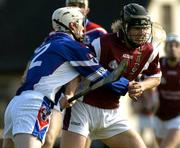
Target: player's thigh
54,129
172,138
26,141
55,124
8,143
127,139
88,143
72,140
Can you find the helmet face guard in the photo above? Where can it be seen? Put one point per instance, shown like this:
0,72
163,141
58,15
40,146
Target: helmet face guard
137,25
138,32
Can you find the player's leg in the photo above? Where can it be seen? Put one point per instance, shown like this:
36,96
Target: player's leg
7,129
127,139
75,126
115,131
26,140
167,132
159,130
159,140
70,140
54,129
172,139
88,143
8,143
31,114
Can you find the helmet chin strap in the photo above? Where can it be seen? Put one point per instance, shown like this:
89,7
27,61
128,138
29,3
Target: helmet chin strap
61,24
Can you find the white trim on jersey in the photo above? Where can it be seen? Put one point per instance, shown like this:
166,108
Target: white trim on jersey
154,76
151,58
95,75
97,47
84,63
100,29
49,85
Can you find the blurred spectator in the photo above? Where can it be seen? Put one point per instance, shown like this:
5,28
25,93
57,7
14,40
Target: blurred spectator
145,108
167,120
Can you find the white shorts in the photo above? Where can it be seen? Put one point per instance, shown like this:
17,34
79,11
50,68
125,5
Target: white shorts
95,122
28,113
161,127
145,121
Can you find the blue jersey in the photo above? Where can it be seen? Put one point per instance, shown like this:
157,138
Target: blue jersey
93,31
58,61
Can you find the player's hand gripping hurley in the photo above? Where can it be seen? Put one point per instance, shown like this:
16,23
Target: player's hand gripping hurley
113,76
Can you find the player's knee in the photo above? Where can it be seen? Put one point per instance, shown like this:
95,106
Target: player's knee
49,141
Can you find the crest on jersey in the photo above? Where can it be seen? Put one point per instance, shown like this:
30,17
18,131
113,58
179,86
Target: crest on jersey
127,56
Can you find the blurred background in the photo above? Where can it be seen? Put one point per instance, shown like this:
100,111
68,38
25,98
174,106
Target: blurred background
24,25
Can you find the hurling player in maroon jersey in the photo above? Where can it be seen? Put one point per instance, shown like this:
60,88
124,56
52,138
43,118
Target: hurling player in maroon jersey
98,113
167,119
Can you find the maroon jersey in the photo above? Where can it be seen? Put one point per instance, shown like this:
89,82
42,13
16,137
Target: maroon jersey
169,91
111,49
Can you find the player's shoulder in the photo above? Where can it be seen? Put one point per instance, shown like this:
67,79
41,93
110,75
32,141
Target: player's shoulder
109,37
94,26
65,43
104,38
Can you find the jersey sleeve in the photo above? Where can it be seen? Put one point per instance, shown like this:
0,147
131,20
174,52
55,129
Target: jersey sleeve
85,62
97,47
153,69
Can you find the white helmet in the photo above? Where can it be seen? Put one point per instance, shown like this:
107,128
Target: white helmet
85,2
65,15
173,37
62,18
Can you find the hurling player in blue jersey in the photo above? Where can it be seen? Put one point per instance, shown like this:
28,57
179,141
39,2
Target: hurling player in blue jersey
56,62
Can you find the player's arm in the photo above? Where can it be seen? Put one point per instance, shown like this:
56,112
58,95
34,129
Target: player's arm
69,92
88,66
152,78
